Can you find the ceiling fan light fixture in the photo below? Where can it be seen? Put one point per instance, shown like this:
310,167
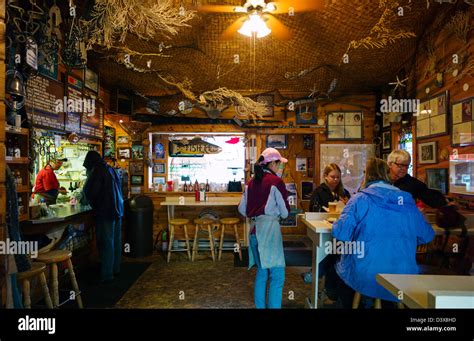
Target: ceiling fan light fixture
255,24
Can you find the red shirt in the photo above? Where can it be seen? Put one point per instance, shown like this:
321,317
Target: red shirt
46,180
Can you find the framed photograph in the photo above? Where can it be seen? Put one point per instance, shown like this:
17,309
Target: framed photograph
291,220
159,150
277,141
137,152
386,140
91,80
136,167
344,125
437,178
307,188
427,153
159,168
385,120
123,139
308,141
109,142
432,117
136,180
268,100
159,180
124,153
462,122
301,164
306,112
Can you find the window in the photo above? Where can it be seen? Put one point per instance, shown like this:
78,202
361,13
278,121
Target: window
406,143
218,168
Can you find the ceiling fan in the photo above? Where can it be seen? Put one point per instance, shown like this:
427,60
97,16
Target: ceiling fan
260,19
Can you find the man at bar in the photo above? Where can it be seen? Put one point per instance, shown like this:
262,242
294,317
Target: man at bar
46,184
398,162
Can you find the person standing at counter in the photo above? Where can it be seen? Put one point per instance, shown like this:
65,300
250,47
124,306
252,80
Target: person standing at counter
46,184
385,226
104,193
265,201
398,162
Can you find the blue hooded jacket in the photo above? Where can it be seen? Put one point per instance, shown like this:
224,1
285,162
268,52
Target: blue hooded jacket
390,226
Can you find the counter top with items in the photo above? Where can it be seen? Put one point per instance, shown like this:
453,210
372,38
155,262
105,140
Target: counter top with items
60,212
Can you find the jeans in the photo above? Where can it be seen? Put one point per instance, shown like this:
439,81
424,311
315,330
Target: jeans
277,279
109,244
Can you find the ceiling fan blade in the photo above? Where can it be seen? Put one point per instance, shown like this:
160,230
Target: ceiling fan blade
216,9
283,6
279,30
230,31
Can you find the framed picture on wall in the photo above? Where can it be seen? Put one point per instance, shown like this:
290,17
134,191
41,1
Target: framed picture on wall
427,153
159,168
306,112
123,139
277,141
432,117
137,152
437,178
344,125
306,190
268,100
462,122
136,167
159,180
124,153
386,140
136,180
91,80
109,142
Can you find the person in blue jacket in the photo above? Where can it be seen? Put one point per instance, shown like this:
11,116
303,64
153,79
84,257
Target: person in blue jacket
265,201
386,226
103,191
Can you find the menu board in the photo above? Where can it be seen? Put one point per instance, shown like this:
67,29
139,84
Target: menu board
44,94
92,122
73,119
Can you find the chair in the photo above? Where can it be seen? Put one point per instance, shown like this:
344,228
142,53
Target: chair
230,222
176,223
203,225
52,258
377,302
24,277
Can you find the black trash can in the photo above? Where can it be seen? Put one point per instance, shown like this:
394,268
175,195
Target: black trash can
139,226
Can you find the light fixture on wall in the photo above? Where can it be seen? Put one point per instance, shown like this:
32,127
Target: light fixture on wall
255,24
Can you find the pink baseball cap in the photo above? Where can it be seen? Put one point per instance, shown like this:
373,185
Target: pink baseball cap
271,154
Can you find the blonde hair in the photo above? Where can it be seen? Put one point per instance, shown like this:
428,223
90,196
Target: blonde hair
399,154
340,187
375,170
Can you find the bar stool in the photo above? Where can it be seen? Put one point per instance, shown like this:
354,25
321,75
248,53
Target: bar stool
377,302
229,222
178,223
53,258
24,277
201,226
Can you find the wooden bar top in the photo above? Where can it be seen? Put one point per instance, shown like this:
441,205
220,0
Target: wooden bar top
211,201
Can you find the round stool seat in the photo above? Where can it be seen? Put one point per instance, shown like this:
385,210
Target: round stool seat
36,269
55,256
230,221
179,222
203,221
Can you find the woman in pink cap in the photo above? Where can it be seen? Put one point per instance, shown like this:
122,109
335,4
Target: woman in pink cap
265,202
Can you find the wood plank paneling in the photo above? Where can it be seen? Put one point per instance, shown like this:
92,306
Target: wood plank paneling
2,150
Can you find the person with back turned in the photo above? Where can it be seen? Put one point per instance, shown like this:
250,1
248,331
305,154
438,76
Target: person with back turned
103,192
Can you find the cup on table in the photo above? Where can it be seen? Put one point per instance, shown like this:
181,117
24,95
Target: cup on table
332,207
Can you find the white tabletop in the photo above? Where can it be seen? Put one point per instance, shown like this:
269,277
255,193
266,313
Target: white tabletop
415,288
319,226
211,201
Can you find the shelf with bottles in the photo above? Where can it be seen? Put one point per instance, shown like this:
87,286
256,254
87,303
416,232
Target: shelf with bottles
23,206
16,131
16,144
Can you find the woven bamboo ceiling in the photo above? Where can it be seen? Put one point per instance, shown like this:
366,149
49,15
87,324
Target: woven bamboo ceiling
319,41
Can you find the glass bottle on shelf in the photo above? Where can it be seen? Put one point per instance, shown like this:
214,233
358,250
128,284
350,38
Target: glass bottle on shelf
19,180
185,188
20,206
16,148
10,150
207,186
196,186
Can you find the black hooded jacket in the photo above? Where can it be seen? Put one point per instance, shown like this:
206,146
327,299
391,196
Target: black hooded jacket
322,196
103,187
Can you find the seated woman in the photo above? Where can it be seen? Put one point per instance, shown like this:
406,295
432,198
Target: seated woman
330,190
387,226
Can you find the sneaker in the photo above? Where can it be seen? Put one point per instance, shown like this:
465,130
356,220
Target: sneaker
307,277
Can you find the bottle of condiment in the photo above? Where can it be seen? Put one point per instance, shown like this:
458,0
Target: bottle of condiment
10,151
196,193
185,188
19,180
196,186
207,186
16,148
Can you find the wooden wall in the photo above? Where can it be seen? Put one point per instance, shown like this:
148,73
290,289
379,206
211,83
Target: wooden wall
2,146
445,46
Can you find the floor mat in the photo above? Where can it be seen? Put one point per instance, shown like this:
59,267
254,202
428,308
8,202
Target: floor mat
96,295
293,257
